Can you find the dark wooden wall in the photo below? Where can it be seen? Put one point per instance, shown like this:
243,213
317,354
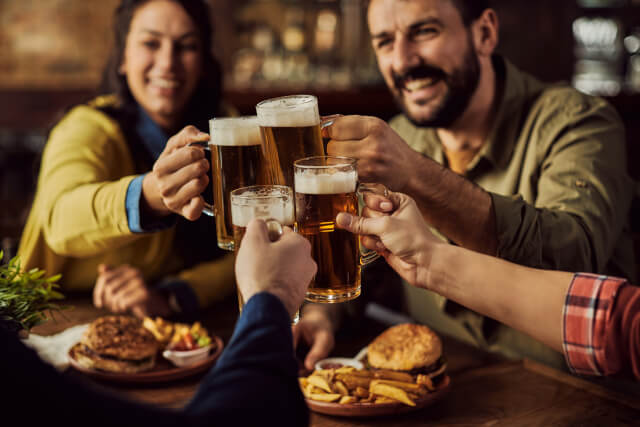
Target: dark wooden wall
535,35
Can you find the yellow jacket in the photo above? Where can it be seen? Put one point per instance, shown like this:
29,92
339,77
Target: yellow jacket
78,219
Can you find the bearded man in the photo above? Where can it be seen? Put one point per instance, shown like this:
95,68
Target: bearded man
497,161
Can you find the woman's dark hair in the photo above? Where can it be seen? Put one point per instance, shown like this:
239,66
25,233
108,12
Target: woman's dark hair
206,99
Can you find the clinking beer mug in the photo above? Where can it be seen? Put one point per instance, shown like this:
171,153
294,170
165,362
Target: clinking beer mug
271,203
324,187
291,130
237,161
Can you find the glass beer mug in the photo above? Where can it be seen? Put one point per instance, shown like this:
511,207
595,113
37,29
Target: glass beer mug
324,187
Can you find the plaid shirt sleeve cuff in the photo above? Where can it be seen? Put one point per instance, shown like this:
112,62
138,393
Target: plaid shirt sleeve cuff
587,311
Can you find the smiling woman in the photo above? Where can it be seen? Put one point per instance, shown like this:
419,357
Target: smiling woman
162,61
119,198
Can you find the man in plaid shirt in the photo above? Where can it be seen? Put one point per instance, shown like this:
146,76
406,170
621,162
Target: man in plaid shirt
594,320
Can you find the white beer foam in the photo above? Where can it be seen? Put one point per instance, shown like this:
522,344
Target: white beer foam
325,183
242,215
235,131
292,111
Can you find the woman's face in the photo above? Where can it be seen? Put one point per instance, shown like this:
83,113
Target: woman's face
163,60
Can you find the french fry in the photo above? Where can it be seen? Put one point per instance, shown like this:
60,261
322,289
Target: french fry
340,388
345,370
310,389
393,375
347,399
413,396
361,392
320,382
384,399
362,373
324,397
410,387
392,392
353,381
303,382
426,381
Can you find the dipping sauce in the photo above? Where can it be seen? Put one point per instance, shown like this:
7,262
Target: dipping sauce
330,365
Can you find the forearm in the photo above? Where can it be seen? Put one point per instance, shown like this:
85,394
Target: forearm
526,299
458,208
88,219
255,379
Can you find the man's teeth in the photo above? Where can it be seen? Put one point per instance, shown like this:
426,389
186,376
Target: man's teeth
164,83
418,84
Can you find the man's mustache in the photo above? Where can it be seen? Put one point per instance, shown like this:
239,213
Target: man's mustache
419,72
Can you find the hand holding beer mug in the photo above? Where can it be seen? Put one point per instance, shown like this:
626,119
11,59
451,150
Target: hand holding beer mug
272,203
290,127
236,161
325,186
283,268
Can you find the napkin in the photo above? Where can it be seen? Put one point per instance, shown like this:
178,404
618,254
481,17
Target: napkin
54,349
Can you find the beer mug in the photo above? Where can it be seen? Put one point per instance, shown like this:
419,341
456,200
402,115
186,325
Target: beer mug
272,203
236,161
324,187
290,128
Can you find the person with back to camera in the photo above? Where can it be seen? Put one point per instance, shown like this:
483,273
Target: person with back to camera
496,161
254,382
119,200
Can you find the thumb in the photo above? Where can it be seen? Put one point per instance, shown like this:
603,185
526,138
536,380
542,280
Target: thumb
257,231
361,225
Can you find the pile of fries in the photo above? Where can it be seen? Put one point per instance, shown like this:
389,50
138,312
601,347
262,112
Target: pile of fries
349,385
177,335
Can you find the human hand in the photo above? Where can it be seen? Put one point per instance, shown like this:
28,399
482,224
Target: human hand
383,156
122,289
284,267
315,328
178,176
394,227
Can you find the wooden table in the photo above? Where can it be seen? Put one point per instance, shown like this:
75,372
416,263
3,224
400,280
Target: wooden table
485,389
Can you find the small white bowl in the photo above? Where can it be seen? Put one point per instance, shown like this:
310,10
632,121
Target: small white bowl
187,358
342,361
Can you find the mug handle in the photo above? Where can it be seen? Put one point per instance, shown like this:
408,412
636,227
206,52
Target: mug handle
368,256
208,208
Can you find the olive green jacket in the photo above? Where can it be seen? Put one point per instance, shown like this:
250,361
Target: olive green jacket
554,164
78,219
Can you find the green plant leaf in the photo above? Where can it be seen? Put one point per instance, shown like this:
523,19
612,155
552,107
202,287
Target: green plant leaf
25,296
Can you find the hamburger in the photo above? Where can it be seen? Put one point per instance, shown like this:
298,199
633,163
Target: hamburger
410,348
117,344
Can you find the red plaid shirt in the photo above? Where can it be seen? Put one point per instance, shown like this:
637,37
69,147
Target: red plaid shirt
587,311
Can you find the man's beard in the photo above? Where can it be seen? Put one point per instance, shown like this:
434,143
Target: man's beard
461,85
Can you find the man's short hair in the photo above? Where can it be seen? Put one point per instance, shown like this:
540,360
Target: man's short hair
469,10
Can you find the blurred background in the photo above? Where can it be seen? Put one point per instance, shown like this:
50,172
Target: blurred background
53,52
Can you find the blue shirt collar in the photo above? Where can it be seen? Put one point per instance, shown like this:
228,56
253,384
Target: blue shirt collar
152,136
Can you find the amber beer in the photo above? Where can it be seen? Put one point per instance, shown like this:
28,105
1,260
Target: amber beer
322,193
237,161
268,202
290,127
